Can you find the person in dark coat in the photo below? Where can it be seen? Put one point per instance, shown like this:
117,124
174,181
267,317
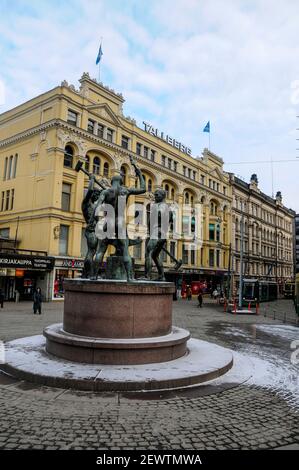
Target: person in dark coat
1,298
199,298
37,301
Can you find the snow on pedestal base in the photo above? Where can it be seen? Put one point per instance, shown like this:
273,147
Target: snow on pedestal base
27,359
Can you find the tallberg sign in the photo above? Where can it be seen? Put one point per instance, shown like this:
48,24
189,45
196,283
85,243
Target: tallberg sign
170,140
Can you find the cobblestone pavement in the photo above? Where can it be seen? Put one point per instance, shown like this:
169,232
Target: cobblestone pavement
241,417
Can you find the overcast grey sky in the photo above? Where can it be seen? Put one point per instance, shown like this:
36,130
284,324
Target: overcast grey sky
179,64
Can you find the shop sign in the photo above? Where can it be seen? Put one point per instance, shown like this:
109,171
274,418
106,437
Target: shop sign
3,272
70,263
44,263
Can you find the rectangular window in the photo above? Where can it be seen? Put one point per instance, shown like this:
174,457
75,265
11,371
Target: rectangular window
217,258
138,148
125,142
4,232
175,166
211,258
12,199
109,136
145,152
184,170
2,201
185,255
189,173
153,155
5,168
172,248
212,232
90,126
218,233
192,256
163,160
202,179
194,175
15,165
186,224
63,239
66,197
7,200
100,131
72,117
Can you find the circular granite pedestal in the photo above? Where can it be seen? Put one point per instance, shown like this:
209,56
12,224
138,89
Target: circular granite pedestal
117,322
115,350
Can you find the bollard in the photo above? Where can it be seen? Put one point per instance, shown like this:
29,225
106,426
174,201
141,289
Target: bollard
257,308
249,305
225,306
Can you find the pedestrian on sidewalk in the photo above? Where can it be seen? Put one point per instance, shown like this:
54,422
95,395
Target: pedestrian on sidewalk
199,298
37,301
189,293
1,298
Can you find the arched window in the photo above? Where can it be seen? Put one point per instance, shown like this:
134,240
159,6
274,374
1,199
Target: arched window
106,170
96,166
172,194
167,190
213,208
191,200
123,173
149,185
87,162
186,198
68,156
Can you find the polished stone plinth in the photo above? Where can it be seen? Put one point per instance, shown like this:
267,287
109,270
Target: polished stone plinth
117,309
115,350
27,359
117,322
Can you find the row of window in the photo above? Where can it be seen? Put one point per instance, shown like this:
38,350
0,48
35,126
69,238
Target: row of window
107,133
264,269
7,200
95,165
214,185
265,215
10,167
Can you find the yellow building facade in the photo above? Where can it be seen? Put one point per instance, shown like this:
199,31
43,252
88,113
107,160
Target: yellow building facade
41,193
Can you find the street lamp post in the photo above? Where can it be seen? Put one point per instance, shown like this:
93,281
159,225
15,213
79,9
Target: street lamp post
241,259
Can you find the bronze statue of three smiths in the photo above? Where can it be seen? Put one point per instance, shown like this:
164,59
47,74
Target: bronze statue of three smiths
114,230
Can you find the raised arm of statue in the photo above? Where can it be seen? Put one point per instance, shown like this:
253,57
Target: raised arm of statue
138,173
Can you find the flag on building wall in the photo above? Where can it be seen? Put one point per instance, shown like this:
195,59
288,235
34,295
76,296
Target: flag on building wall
207,127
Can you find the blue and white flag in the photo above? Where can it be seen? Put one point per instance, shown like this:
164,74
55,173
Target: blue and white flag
207,127
100,53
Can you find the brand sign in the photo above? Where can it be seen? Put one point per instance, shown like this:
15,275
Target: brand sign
170,140
43,263
70,263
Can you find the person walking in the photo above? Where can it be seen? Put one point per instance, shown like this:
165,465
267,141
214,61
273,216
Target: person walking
37,301
189,293
1,298
199,298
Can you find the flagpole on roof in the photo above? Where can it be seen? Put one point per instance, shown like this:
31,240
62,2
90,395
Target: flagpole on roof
98,61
